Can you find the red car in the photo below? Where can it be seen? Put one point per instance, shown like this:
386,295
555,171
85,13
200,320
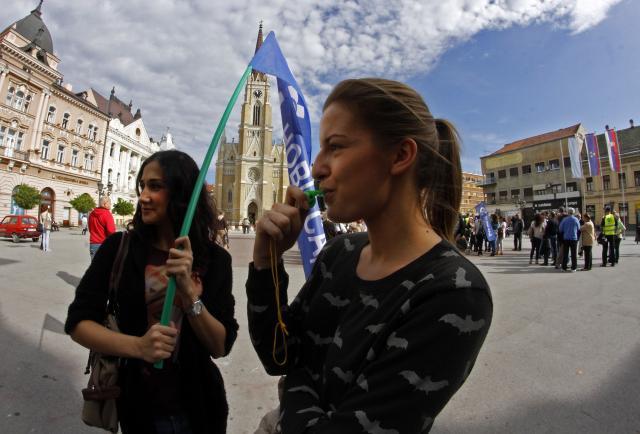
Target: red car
19,226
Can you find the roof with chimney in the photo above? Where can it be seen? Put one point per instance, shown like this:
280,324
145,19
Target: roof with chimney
628,138
538,140
115,107
34,30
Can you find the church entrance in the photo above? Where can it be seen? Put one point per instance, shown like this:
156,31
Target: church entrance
252,212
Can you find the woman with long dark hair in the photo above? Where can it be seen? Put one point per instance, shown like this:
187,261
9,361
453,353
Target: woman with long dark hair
536,234
390,321
188,393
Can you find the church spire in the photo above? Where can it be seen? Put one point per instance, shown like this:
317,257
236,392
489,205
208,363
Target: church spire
37,10
259,40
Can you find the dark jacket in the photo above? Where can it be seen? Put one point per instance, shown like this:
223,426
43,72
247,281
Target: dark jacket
201,385
518,225
551,230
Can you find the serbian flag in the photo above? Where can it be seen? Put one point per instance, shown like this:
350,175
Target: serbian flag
613,148
594,154
296,126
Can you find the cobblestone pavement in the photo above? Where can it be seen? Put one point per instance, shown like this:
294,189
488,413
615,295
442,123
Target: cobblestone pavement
562,355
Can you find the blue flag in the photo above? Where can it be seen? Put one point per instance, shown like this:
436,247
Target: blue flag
297,137
481,210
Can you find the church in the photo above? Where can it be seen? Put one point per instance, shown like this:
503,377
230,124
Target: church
251,173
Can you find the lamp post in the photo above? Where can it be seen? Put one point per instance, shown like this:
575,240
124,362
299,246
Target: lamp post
100,187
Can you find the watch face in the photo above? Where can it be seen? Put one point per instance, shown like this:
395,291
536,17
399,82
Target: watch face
257,93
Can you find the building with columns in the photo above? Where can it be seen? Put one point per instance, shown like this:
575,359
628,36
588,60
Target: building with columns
50,138
251,173
127,145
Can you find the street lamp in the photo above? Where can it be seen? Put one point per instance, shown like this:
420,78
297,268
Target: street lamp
100,187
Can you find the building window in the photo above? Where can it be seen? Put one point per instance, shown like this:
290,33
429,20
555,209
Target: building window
554,164
636,176
256,113
109,175
19,141
591,210
528,192
138,132
541,192
88,162
51,116
503,195
589,184
540,167
606,182
491,197
27,103
10,92
92,130
623,208
513,172
622,180
65,120
567,161
60,155
515,193
44,149
74,157
229,196
502,174
112,150
2,131
572,186
79,126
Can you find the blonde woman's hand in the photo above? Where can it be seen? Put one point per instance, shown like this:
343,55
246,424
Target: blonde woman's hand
158,342
282,224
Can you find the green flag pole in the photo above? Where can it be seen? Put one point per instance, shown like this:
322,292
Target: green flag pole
191,209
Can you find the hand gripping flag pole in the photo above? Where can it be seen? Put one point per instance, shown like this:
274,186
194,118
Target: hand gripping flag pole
191,209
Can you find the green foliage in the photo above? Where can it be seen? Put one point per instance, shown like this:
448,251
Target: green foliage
83,203
26,196
123,207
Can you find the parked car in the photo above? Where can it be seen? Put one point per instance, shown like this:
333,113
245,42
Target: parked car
19,226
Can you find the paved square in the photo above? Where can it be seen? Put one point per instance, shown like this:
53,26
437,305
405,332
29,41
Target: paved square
562,355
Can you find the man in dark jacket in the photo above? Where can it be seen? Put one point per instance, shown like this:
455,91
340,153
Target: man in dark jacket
518,226
551,239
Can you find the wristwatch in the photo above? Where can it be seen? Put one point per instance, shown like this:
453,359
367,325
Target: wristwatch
196,308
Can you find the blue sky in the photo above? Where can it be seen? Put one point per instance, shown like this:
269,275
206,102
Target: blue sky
505,85
501,70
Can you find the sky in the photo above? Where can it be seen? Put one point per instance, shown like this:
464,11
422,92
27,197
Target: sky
501,70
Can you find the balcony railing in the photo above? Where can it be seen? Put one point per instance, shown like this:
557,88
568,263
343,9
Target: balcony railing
488,181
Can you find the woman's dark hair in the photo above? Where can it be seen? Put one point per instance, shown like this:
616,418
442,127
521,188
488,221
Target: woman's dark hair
538,219
180,173
394,112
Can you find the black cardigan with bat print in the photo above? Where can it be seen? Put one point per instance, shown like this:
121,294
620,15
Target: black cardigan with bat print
379,357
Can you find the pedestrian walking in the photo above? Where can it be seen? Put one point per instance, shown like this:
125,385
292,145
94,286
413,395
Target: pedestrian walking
587,235
46,219
518,226
536,233
85,223
358,331
187,395
246,223
101,225
620,230
568,229
608,224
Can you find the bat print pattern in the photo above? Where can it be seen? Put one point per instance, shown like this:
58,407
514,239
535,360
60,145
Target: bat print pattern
305,389
312,409
257,309
408,284
336,300
369,301
318,340
374,328
423,384
362,382
448,254
460,279
325,274
372,427
466,325
347,376
348,246
337,338
395,342
405,306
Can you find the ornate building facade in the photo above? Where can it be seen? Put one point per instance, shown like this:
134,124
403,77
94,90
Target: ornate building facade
472,193
251,174
50,138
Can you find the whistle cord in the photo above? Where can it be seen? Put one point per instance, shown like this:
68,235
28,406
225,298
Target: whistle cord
280,328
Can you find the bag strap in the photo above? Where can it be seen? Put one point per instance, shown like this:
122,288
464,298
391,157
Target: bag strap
116,271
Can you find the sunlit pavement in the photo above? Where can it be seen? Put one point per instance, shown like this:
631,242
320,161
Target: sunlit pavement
562,355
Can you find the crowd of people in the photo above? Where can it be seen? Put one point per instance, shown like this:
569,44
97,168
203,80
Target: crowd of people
557,237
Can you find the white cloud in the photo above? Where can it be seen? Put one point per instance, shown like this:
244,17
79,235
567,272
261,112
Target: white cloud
179,60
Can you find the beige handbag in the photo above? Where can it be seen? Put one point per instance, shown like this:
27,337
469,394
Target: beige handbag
99,409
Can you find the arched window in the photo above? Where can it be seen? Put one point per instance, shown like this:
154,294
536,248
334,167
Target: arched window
92,130
65,120
10,94
113,149
19,100
79,127
44,149
51,116
256,113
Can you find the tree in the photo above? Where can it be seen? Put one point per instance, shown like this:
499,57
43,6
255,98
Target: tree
123,207
26,196
83,203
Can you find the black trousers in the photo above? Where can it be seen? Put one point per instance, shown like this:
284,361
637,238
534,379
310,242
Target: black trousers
608,250
618,240
517,241
570,245
588,257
